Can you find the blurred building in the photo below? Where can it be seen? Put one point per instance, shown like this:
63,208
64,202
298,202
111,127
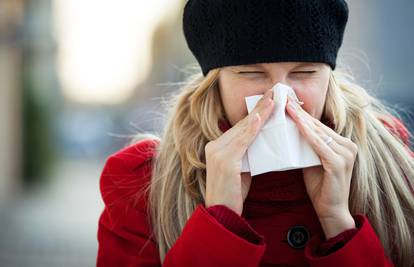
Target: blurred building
73,90
11,19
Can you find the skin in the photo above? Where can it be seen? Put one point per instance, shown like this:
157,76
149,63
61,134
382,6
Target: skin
327,185
310,88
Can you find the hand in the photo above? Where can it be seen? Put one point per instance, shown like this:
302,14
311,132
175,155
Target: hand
327,185
225,184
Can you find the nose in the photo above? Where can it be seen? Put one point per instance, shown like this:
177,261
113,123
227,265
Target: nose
278,78
278,75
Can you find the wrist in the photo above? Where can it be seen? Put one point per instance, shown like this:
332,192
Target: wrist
334,225
234,208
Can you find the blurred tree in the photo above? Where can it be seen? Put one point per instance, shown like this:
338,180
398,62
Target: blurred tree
40,94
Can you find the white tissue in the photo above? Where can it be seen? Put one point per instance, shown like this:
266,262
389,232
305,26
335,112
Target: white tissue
279,145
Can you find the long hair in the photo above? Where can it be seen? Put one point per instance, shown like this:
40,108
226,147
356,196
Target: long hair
381,180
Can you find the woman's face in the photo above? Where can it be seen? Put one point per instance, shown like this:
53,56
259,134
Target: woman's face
308,80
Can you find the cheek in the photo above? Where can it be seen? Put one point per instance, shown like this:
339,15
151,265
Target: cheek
313,95
236,109
234,103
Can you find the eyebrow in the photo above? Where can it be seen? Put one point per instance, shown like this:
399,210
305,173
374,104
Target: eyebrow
252,65
305,64
302,64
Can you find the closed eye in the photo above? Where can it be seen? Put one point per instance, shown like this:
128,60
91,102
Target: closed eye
260,72
312,71
250,72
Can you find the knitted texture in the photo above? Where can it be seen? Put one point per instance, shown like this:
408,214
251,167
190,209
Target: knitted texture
236,32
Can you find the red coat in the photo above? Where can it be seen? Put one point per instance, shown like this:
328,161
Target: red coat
278,227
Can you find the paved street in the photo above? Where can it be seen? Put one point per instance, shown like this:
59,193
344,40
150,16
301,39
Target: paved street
54,225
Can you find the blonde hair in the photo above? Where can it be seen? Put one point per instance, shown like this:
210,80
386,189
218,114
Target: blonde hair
381,180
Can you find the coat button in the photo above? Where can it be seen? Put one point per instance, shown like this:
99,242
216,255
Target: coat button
297,237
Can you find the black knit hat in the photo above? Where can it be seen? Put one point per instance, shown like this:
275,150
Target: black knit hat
236,32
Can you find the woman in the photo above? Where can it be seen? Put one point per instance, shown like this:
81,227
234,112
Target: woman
181,200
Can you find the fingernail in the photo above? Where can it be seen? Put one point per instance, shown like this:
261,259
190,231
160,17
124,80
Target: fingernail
295,98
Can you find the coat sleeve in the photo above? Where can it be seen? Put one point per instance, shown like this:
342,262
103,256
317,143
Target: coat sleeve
334,243
351,247
363,249
214,236
124,237
206,242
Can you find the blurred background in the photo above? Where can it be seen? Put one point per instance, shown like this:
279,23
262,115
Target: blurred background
79,77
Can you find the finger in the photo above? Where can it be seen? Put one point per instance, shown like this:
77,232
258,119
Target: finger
325,132
309,118
243,140
244,124
341,145
262,107
337,137
341,140
308,131
337,148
